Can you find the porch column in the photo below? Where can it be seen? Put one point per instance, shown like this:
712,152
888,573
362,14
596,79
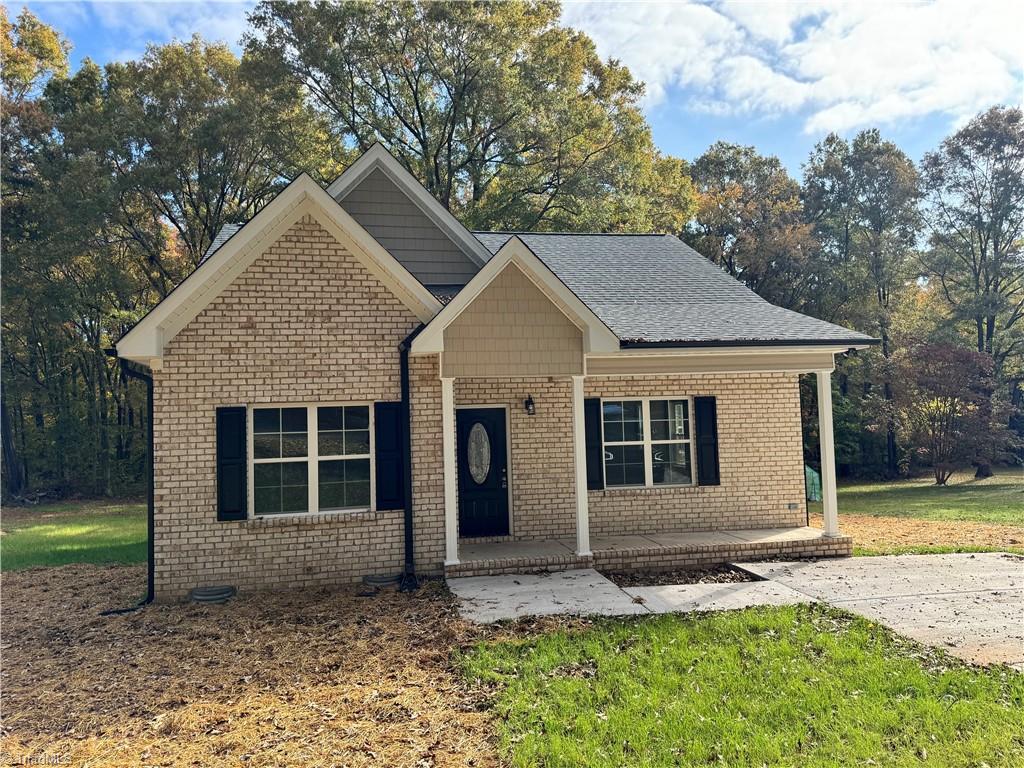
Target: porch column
580,450
451,498
828,454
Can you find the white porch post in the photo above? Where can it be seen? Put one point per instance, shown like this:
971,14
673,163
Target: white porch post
828,454
451,499
579,445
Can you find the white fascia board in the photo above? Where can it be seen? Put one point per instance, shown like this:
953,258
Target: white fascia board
731,350
146,340
597,337
378,157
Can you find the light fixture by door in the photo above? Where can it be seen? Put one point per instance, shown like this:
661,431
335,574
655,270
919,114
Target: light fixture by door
529,406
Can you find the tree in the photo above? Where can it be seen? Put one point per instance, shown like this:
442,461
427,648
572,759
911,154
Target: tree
749,220
974,185
31,52
863,198
509,119
945,402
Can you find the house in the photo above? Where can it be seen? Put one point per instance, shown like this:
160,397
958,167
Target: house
352,383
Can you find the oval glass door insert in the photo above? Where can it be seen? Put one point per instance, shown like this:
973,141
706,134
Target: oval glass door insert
478,453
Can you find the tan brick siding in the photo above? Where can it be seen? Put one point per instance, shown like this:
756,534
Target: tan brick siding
306,322
760,459
512,329
543,484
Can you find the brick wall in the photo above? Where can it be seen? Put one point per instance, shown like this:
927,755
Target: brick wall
760,459
306,322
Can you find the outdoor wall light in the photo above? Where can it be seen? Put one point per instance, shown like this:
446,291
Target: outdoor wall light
529,406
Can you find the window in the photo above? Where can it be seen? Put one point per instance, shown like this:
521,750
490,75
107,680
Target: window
311,459
647,442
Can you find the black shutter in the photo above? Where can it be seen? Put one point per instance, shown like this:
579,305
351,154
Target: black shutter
232,493
706,419
595,450
388,438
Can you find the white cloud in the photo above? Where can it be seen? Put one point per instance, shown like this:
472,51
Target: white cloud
839,66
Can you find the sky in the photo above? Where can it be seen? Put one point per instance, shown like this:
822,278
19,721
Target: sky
777,75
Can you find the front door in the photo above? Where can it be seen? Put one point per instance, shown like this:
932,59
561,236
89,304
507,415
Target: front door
483,472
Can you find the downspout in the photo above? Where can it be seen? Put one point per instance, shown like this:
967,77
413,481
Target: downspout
132,372
409,582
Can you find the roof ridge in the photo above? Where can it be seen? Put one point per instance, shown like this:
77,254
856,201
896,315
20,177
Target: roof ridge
575,234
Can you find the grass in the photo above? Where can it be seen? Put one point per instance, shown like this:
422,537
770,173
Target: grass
932,549
793,686
60,534
998,499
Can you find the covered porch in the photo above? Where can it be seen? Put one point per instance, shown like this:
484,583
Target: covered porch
648,552
527,373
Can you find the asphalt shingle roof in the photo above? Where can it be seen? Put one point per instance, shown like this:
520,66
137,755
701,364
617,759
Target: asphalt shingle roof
220,238
655,288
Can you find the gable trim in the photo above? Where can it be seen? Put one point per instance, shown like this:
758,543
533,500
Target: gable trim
377,157
597,337
145,342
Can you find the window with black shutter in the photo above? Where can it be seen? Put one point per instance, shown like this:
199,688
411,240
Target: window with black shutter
706,417
390,428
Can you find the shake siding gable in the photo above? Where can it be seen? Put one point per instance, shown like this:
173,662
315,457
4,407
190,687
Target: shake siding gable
408,234
512,329
305,323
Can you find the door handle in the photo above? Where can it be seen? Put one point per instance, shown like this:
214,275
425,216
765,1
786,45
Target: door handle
504,477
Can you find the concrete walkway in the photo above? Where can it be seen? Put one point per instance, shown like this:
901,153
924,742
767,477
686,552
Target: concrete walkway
485,599
971,605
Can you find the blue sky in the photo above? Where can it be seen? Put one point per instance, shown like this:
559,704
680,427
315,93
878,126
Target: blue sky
777,75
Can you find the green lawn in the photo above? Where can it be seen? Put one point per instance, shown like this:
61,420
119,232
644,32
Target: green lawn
73,532
795,686
998,499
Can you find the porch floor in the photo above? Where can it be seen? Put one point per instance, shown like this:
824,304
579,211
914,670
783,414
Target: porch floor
649,551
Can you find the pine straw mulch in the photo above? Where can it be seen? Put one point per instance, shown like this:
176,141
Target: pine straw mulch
322,677
886,533
719,574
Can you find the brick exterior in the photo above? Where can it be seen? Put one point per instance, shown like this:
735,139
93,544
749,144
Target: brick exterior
307,323
760,458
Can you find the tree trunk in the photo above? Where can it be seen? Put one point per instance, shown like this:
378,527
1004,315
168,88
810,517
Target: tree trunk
13,469
984,469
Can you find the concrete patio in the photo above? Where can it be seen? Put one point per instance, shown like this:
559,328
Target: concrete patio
652,551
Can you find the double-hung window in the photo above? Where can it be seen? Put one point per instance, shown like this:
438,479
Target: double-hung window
311,459
647,442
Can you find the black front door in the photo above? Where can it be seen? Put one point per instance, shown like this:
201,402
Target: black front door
483,472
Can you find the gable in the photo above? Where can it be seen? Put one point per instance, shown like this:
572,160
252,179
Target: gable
512,329
305,310
387,213
146,341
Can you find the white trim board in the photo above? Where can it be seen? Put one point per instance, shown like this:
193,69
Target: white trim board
377,157
597,337
145,342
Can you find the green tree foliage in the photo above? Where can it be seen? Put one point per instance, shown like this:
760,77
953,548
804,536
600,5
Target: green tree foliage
509,119
749,220
863,199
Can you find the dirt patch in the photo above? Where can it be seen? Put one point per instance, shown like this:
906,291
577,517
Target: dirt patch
321,677
721,574
886,533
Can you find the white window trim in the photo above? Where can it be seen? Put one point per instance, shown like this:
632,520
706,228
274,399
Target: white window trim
312,459
647,442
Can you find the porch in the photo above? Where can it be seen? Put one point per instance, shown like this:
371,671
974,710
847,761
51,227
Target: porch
648,552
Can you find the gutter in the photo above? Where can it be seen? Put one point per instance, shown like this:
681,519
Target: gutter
639,344
408,582
131,371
